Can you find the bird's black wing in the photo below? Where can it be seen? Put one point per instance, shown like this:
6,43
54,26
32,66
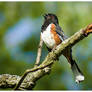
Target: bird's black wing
60,32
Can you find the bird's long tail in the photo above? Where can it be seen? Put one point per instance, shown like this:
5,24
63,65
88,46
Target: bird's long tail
78,75
77,72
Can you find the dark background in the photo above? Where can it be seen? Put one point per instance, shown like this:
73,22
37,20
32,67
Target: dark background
20,26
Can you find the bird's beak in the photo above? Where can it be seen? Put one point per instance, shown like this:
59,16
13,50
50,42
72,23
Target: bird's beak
45,16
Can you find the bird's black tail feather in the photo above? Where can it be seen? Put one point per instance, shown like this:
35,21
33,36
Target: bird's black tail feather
75,69
77,72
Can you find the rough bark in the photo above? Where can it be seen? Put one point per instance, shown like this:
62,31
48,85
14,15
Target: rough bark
39,52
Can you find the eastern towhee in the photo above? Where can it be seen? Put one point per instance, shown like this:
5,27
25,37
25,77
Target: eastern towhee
53,35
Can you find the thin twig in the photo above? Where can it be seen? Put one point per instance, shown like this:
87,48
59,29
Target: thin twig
39,52
36,63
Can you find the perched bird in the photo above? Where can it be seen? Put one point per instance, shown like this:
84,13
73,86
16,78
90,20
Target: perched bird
53,35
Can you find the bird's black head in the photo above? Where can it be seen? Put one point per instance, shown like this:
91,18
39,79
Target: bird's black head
51,17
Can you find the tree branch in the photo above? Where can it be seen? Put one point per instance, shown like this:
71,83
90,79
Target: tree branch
39,52
8,81
32,75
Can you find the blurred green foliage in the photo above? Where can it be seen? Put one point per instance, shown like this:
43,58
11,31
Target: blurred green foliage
72,17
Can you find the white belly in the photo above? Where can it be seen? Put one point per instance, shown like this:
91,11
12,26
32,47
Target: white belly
47,37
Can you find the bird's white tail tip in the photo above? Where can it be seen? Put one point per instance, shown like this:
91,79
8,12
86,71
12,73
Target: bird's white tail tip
79,78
